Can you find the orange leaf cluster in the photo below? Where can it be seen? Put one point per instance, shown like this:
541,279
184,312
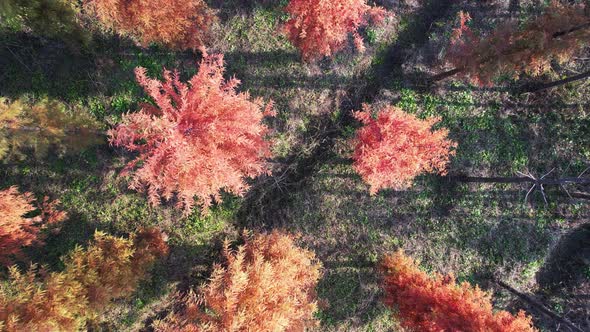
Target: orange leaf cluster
200,138
439,304
394,148
17,231
321,27
109,268
268,284
555,35
179,24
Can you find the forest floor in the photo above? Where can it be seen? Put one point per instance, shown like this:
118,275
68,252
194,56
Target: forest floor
478,232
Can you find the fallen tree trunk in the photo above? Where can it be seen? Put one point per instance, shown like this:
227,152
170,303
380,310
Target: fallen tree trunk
540,306
446,74
536,88
521,179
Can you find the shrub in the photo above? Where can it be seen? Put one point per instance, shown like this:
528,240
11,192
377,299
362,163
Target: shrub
511,49
16,230
321,27
437,303
108,269
268,284
394,148
198,139
179,24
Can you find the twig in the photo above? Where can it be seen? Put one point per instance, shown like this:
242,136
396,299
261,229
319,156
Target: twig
19,59
584,172
526,197
566,191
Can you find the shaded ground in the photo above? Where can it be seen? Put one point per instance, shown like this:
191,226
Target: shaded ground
474,231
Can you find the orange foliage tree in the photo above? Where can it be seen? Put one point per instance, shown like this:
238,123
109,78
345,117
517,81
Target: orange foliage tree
437,303
198,139
109,268
557,35
268,284
321,27
16,230
394,148
179,24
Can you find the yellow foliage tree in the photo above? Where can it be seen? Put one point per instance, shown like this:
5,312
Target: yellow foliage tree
109,268
42,126
268,284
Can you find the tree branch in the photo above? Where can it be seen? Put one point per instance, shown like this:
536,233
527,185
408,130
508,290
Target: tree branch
574,29
535,88
534,302
455,71
520,179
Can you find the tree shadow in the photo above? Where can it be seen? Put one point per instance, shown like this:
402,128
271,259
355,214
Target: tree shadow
246,66
188,266
74,231
317,82
30,64
565,265
514,7
262,198
46,67
228,8
237,60
350,293
513,87
414,35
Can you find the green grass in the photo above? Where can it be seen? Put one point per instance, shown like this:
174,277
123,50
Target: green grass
474,231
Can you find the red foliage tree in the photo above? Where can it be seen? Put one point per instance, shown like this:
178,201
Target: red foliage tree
268,284
17,231
198,139
109,268
511,49
180,24
437,303
394,148
321,27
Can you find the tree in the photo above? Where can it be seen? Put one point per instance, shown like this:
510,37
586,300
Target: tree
268,284
108,269
394,148
437,303
321,27
50,18
18,231
179,24
42,126
511,50
198,138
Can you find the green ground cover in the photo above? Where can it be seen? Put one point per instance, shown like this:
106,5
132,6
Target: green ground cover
476,231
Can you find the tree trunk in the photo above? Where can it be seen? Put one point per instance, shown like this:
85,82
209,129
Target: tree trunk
579,195
574,29
542,308
446,74
545,86
521,179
